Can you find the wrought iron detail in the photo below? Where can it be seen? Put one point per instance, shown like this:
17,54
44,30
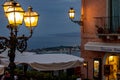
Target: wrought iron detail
22,44
78,22
2,44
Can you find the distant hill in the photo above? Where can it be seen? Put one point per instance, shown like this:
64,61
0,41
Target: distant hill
74,50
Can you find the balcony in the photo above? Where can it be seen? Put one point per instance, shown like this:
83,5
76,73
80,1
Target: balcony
108,27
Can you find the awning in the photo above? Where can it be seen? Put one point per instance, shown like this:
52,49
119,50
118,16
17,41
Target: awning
45,62
100,46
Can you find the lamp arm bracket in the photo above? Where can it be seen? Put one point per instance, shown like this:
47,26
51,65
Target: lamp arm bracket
25,37
31,32
21,44
78,22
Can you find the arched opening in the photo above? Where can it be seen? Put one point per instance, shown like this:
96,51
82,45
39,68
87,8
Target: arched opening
112,67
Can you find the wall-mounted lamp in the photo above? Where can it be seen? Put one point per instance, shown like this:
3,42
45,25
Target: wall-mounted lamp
85,64
71,14
111,58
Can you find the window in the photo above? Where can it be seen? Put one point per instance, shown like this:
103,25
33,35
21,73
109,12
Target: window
97,69
114,15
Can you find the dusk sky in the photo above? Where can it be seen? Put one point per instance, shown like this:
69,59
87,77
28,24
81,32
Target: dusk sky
54,26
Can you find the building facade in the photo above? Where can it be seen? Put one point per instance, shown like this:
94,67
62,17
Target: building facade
100,39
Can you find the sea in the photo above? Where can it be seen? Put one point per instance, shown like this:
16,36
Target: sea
55,40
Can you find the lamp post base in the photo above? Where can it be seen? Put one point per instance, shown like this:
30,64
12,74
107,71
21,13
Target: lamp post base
12,67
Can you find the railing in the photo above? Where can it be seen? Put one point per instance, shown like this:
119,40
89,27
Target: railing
108,27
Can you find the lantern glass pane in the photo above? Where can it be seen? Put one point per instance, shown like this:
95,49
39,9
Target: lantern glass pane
15,15
31,21
71,15
31,18
15,18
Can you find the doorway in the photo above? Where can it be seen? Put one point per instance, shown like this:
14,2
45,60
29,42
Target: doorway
111,67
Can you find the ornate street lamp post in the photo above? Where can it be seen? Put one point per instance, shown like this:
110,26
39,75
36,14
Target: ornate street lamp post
15,15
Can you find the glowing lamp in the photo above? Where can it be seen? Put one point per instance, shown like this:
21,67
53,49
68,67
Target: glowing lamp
31,18
71,13
85,64
15,14
111,58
